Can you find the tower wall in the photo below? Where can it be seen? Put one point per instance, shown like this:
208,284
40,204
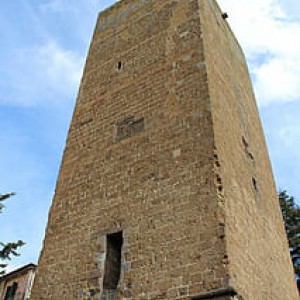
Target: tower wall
147,175
259,261
139,159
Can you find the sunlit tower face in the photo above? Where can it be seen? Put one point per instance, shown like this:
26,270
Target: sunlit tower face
165,189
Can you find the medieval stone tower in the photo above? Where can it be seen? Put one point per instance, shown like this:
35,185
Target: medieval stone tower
165,189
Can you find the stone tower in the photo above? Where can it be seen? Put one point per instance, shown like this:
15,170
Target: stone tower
165,189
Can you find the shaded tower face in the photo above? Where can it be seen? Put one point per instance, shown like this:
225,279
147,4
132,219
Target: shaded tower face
165,189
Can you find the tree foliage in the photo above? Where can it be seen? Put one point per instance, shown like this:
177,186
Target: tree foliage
7,250
4,197
291,216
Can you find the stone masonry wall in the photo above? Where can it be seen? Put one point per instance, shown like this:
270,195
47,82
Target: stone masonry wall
166,148
139,159
259,261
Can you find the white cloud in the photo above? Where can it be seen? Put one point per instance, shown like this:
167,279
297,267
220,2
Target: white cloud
62,68
278,80
40,72
270,40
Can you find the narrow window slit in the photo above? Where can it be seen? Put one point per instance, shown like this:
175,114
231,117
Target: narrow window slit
254,181
120,65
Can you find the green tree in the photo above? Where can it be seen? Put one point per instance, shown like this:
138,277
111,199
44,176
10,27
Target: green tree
291,216
7,250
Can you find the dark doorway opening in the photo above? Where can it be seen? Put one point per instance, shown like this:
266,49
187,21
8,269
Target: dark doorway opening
112,272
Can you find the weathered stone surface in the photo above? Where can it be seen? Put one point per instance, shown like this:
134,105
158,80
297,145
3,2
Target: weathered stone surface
166,147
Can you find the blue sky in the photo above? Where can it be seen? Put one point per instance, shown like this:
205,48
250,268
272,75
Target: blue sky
44,44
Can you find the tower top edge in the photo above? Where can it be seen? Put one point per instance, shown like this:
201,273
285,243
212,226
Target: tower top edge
122,8
117,5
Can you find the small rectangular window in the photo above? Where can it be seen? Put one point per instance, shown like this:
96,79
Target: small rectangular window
11,292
